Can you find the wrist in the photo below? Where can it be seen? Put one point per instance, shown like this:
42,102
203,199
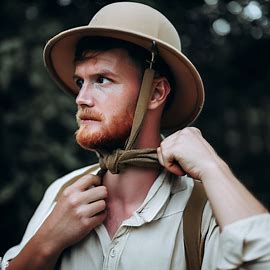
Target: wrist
36,255
215,168
46,251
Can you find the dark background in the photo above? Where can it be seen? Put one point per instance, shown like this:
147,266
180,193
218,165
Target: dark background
228,41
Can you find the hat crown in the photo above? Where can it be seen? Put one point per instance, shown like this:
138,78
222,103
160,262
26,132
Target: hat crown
138,19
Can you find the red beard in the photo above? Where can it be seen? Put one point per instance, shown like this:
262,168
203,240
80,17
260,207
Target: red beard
109,136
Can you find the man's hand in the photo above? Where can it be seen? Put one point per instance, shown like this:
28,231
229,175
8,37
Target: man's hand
187,152
79,209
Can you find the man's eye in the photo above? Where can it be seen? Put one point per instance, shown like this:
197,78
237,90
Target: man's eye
102,80
79,83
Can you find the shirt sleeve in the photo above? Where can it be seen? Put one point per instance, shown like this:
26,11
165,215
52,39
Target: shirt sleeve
244,244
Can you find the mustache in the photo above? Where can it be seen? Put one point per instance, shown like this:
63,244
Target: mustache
88,114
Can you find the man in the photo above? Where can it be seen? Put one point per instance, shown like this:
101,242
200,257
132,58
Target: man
131,80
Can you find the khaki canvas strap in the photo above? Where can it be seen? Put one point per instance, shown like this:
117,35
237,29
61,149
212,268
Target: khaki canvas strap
142,104
120,158
192,218
75,178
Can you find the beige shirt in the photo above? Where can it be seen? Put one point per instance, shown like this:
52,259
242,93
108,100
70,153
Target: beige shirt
152,238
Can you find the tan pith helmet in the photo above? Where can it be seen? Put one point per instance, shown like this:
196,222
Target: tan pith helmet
141,25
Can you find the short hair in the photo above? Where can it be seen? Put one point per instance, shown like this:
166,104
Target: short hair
137,54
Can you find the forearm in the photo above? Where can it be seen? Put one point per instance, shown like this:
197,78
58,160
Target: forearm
36,255
187,152
229,199
243,242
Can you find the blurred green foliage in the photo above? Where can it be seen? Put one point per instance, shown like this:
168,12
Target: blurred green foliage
229,43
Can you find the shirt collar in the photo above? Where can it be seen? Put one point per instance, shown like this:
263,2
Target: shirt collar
157,199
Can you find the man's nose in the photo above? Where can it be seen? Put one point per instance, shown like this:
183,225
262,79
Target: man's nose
85,97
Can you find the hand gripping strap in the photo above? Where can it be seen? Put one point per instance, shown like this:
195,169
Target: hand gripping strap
192,218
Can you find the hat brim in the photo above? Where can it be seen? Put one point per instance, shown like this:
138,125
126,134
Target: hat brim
189,93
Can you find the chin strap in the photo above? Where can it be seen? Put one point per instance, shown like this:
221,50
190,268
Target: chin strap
119,159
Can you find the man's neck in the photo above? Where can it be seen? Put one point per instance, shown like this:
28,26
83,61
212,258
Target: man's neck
131,185
128,189
127,192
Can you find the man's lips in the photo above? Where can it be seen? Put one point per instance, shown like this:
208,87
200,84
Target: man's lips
87,120
87,117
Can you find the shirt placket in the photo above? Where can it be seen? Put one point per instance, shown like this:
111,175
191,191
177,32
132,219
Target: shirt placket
115,249
150,208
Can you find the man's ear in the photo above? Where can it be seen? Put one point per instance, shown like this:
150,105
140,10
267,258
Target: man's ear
161,89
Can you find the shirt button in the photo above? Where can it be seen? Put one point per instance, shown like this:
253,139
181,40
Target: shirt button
113,253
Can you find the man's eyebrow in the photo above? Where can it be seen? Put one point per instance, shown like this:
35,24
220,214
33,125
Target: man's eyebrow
102,71
105,71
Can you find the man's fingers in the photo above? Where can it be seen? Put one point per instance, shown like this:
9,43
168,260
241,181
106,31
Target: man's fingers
164,159
98,219
89,196
169,163
175,168
93,221
84,191
160,157
90,210
87,181
94,194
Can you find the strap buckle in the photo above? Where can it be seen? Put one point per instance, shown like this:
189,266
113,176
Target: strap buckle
153,55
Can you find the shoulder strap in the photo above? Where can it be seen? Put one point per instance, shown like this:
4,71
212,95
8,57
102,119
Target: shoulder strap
192,218
75,178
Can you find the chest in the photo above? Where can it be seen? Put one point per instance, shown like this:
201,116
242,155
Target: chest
113,222
154,245
116,215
